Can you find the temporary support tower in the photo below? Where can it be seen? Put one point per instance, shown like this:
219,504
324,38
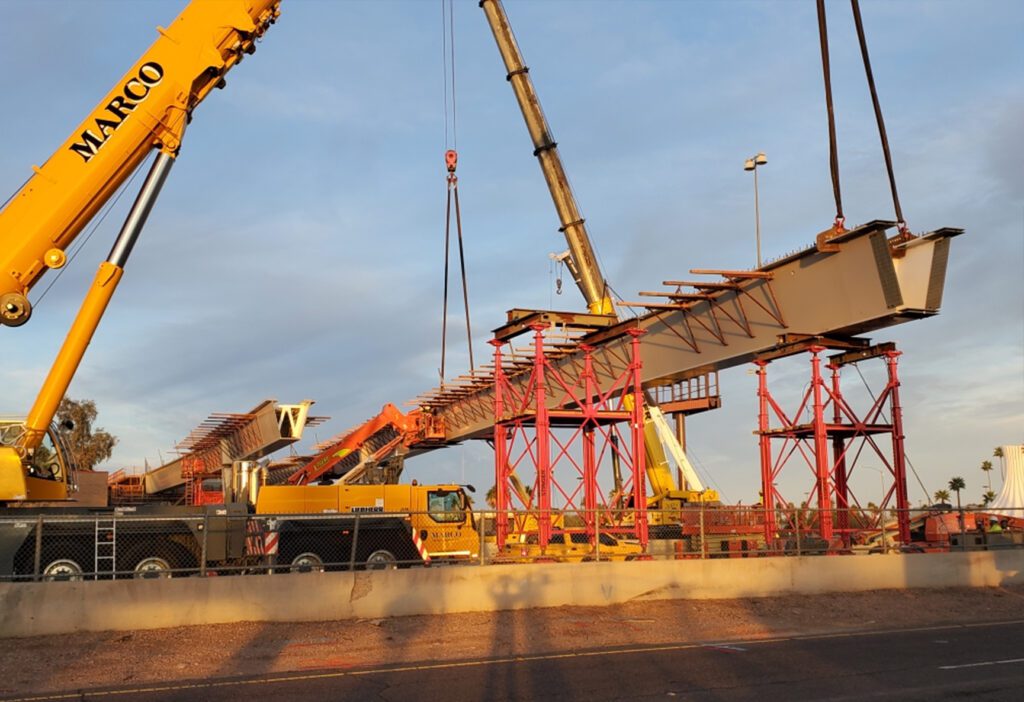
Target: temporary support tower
526,418
834,423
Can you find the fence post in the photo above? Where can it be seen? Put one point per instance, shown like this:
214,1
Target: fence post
482,522
203,546
38,557
597,537
703,543
798,528
355,543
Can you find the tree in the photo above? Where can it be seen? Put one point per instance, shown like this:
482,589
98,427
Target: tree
956,485
942,495
998,453
988,497
987,467
89,446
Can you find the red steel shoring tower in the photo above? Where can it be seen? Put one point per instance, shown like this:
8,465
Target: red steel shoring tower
811,440
593,415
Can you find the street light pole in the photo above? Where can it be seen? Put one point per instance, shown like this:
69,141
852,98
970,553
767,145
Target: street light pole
751,164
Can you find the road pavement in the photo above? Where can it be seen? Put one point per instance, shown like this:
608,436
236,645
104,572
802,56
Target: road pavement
982,661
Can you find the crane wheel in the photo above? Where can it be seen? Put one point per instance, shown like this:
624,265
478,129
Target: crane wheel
381,560
62,569
152,567
307,562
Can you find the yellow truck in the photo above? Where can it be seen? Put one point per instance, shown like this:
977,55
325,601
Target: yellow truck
569,547
391,525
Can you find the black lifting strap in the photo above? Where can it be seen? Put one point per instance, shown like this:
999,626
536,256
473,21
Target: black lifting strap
833,153
878,114
451,159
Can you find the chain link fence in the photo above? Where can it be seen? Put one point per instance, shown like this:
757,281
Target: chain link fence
226,541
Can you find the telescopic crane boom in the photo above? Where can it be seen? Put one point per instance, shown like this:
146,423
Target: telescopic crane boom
146,110
582,261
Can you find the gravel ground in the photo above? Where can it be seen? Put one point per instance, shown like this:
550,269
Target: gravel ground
66,663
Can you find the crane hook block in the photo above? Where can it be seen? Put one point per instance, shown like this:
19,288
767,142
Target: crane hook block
451,159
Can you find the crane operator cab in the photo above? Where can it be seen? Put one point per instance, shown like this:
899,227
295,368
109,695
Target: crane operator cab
45,473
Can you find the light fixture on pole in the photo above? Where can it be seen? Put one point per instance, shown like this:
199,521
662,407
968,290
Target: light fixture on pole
751,164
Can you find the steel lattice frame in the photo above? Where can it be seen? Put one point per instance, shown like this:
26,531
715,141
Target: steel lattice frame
525,417
834,421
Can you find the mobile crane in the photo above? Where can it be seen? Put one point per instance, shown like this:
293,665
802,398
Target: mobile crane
146,111
583,266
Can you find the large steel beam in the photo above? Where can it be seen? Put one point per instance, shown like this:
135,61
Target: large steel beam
855,283
224,438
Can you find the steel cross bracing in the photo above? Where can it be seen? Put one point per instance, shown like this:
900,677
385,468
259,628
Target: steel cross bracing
856,282
840,520
564,468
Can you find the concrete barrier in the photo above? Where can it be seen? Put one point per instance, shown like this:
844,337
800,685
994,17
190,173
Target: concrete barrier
30,609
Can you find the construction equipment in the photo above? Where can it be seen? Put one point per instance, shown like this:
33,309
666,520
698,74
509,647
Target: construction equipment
660,442
439,517
145,112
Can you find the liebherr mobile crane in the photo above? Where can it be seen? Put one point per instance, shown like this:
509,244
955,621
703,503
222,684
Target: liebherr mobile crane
582,264
350,457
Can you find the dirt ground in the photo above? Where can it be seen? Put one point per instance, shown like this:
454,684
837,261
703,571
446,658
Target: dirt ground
65,663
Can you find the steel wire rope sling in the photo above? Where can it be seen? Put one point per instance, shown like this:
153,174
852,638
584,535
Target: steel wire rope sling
833,154
451,158
900,221
840,219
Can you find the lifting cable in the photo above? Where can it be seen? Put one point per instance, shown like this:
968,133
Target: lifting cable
901,223
451,159
833,153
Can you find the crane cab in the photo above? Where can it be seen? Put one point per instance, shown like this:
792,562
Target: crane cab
44,474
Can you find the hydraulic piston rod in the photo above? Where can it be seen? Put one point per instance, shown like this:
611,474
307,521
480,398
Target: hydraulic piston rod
80,335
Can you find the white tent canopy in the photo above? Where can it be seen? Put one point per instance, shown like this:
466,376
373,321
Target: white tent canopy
1010,500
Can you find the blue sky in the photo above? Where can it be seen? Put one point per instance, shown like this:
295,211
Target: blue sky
296,250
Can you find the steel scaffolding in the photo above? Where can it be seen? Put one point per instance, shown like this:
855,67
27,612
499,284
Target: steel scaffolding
841,520
563,429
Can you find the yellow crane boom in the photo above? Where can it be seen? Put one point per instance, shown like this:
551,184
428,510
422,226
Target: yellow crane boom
146,110
582,262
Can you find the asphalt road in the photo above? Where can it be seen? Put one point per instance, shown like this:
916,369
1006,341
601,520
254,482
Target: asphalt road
979,662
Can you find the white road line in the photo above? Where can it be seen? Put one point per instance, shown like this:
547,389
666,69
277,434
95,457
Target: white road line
982,663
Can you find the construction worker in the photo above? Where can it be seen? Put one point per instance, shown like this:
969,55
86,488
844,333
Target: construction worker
994,527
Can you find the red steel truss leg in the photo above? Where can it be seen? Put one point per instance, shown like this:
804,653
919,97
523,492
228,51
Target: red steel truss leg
501,497
839,457
637,430
767,483
899,459
591,490
821,448
543,425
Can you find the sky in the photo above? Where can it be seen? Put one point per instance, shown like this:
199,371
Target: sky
297,249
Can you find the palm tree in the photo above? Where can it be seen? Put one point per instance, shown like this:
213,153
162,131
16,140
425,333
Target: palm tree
998,453
942,496
987,467
956,485
988,497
